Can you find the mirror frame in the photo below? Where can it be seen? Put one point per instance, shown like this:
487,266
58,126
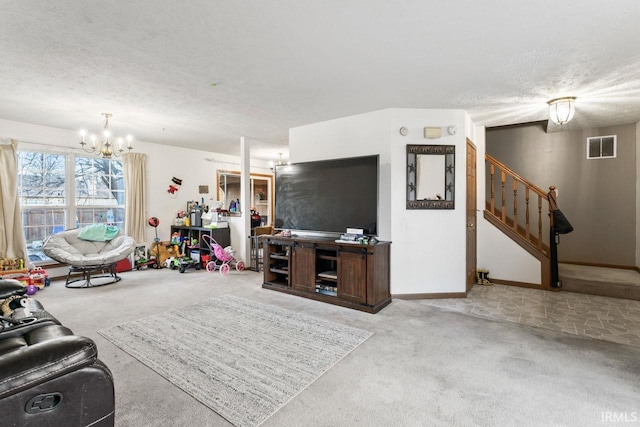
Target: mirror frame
412,152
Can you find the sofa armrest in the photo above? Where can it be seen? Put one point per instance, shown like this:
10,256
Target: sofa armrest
10,287
46,357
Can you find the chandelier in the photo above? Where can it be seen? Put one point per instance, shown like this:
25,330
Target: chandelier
561,110
105,146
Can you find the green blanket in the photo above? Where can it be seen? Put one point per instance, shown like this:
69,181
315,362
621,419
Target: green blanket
99,232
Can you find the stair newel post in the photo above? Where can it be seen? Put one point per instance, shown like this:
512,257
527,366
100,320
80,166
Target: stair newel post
553,243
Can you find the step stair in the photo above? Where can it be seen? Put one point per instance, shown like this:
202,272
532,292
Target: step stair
604,281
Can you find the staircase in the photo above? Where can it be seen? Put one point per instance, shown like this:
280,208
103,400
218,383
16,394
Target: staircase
516,207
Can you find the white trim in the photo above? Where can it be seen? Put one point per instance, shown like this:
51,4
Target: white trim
600,138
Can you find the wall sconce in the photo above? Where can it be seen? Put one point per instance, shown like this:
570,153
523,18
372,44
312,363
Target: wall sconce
561,110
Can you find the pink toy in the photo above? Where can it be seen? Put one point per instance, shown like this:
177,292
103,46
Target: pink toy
223,259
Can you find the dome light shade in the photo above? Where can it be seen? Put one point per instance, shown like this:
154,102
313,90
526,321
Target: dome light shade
561,110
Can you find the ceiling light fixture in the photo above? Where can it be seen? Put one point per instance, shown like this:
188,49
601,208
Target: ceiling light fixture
104,146
561,110
280,162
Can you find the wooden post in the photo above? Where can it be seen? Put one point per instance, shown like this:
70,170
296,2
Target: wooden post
526,198
515,205
493,196
539,221
503,179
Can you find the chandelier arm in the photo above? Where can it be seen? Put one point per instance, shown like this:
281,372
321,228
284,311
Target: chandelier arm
104,147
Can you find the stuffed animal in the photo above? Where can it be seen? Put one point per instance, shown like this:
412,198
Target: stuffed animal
16,306
159,252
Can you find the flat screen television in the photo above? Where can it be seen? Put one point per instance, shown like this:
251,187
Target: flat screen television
328,196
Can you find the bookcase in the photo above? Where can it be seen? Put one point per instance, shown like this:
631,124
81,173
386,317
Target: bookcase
220,235
346,274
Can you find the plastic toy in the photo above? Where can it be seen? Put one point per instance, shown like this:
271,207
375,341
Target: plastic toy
32,289
39,277
223,259
175,238
145,263
182,263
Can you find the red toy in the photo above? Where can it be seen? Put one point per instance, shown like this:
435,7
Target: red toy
39,278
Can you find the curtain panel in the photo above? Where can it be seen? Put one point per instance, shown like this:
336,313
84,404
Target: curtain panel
12,241
135,196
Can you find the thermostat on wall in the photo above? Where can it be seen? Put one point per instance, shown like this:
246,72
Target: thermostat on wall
432,132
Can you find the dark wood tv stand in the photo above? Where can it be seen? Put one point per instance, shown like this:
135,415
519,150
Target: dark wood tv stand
346,274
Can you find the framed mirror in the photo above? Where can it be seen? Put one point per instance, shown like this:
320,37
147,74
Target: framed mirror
431,176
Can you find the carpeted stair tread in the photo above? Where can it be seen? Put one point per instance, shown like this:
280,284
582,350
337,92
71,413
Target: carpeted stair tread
609,282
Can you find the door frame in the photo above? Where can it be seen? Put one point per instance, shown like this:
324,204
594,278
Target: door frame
471,215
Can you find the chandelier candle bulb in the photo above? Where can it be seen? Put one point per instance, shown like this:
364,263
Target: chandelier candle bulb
105,146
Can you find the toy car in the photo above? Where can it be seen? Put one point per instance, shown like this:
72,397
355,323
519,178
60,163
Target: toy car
182,263
144,263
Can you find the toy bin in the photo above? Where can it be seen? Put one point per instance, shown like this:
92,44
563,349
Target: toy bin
204,259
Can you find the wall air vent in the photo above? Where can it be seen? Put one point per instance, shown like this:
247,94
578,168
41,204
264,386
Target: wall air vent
602,147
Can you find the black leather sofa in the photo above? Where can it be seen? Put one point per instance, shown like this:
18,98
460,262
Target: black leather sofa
48,375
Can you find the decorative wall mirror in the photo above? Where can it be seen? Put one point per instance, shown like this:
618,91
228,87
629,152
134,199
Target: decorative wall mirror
431,176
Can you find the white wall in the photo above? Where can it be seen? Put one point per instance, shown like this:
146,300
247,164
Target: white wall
163,163
361,135
428,249
637,193
428,254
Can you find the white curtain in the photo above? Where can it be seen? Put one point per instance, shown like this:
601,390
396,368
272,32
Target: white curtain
12,240
135,189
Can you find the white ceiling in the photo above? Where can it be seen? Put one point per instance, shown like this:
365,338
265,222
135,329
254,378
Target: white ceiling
286,63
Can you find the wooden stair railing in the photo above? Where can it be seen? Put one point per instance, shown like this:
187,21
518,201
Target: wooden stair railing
527,231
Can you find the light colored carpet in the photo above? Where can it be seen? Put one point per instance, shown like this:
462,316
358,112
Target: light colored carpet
241,358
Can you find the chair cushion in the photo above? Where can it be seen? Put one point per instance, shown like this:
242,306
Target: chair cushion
66,247
100,232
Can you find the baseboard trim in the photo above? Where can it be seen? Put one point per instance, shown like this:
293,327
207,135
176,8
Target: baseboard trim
598,264
518,284
430,296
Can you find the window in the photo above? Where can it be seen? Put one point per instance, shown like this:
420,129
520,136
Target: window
99,191
55,196
602,147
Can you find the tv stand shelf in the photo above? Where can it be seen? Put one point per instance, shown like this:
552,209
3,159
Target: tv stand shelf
353,276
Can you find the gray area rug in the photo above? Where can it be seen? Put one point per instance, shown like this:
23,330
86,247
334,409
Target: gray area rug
243,359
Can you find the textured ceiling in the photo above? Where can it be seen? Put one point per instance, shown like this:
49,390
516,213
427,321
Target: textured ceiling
286,63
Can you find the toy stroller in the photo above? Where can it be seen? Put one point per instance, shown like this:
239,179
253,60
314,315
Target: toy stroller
223,258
